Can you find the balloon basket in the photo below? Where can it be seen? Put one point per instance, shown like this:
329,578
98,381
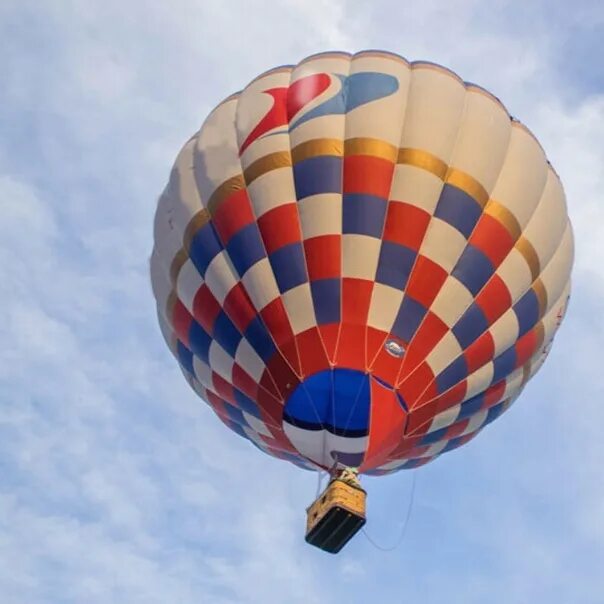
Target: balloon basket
336,516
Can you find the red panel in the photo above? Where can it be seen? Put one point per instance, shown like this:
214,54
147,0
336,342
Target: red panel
375,344
323,257
492,238
494,394
271,409
289,351
276,116
181,322
239,308
285,379
304,90
480,352
431,393
312,352
414,385
223,389
418,451
429,333
244,382
329,334
278,444
217,404
451,397
425,281
367,174
494,299
526,346
279,227
268,383
386,367
386,426
421,418
407,445
283,441
276,320
457,429
356,298
351,347
406,224
232,214
205,308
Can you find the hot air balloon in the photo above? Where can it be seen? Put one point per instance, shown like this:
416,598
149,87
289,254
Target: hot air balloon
359,262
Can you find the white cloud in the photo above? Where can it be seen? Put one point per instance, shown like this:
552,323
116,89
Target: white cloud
117,484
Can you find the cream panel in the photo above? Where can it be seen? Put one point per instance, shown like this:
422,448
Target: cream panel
434,109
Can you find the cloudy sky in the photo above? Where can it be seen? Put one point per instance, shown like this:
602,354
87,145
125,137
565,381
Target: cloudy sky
116,483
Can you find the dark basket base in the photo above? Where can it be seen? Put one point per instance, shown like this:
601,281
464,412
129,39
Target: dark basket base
335,530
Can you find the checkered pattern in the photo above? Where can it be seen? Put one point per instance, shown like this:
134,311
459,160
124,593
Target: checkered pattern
338,208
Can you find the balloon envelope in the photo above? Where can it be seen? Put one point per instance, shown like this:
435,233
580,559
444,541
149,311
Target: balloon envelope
361,261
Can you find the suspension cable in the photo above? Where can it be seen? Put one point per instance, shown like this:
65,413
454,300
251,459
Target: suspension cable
320,475
403,528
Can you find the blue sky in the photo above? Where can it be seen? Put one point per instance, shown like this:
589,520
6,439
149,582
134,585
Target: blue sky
116,483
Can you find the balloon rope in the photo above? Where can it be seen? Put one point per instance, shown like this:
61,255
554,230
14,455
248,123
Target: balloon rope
405,523
319,482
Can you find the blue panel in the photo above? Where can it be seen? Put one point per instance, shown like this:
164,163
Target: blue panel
256,445
200,341
471,325
434,437
453,444
289,266
310,403
351,409
453,374
355,90
322,174
185,357
363,214
471,406
336,400
473,269
335,104
388,386
459,209
226,334
205,245
237,428
368,86
246,403
326,296
319,390
527,312
352,460
504,364
402,402
494,412
395,264
408,319
235,414
413,463
259,339
245,248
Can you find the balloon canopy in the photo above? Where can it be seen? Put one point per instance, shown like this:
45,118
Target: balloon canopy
360,261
